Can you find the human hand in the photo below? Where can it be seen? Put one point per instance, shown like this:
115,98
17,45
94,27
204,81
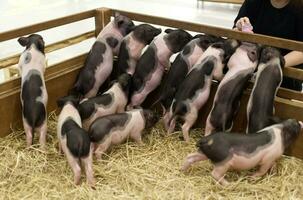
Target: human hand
243,24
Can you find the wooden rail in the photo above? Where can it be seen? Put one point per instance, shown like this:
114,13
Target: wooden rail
224,1
11,34
12,60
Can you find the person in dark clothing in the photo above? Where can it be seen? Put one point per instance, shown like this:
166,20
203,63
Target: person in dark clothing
278,18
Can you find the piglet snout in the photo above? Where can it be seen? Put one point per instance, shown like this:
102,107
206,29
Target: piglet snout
301,124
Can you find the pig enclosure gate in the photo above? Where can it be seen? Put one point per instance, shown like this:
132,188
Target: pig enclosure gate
61,76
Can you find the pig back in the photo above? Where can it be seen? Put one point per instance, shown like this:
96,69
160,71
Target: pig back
220,146
177,71
32,98
261,103
88,107
123,59
145,66
77,139
195,80
103,126
227,99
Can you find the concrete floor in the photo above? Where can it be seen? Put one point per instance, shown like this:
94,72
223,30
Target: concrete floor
17,13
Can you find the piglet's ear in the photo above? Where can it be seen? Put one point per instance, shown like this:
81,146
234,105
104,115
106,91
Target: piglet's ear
197,36
118,19
168,30
158,30
23,41
117,14
132,28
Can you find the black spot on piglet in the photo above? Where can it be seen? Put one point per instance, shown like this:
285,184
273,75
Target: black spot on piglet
33,109
208,67
186,50
86,79
112,42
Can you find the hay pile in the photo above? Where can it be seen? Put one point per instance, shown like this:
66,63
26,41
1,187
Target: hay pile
130,171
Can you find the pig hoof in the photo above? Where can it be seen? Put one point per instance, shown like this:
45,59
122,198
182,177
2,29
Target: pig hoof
43,147
77,182
92,185
184,168
183,139
253,177
140,143
98,156
224,183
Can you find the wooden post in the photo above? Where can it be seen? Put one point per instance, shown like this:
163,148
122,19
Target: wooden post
98,21
102,18
107,13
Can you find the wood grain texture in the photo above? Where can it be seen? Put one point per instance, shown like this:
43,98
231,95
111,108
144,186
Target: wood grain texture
290,94
98,21
12,60
107,13
11,34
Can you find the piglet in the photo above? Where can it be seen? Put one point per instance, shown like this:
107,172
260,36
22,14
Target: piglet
260,107
73,140
226,103
33,96
245,151
180,67
114,100
132,46
99,62
152,63
194,91
116,128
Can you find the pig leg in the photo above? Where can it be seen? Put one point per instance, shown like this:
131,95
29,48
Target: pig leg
28,132
137,99
60,151
102,147
208,128
189,122
88,165
219,172
43,130
166,118
193,158
163,109
171,126
263,169
74,164
137,137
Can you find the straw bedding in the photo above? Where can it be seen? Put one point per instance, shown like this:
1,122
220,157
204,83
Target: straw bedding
130,171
